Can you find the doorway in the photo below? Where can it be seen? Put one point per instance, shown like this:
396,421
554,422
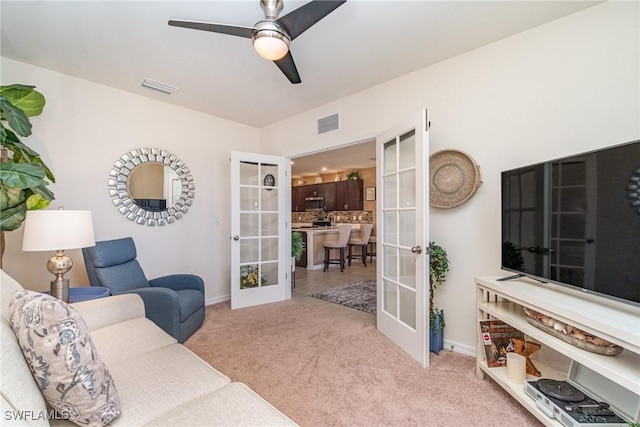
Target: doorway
321,168
401,274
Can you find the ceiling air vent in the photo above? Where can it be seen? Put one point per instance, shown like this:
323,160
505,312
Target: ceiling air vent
328,124
159,86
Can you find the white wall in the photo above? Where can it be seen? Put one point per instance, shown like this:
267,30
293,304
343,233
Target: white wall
84,129
569,86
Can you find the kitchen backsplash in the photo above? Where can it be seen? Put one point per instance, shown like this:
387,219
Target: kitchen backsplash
346,217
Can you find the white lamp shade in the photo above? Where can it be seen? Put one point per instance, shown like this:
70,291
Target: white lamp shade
52,230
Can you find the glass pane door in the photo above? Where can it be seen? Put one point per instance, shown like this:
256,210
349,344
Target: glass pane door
399,230
403,236
258,224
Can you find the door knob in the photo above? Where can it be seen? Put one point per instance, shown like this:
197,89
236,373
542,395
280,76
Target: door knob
236,237
416,249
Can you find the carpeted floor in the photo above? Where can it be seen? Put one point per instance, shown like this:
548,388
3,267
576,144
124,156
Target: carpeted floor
321,369
360,295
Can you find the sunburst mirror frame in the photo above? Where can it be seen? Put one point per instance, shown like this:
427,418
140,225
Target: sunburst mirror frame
126,205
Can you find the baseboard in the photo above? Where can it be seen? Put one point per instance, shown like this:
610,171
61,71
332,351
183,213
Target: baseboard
216,300
459,348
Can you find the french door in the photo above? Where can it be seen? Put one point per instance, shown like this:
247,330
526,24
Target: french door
260,229
403,236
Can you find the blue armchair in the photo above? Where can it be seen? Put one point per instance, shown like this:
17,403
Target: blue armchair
175,303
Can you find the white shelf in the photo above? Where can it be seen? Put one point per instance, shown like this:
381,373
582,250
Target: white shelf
615,322
499,375
623,369
612,321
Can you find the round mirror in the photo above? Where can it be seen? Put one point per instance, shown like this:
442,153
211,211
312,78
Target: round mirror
151,186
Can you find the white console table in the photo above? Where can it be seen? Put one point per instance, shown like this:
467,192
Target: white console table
615,322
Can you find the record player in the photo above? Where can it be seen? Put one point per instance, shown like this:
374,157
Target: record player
586,398
570,406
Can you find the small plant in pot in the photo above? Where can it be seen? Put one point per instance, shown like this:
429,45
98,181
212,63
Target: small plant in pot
438,267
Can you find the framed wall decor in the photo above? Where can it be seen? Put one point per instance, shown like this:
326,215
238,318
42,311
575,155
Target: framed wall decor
370,193
174,176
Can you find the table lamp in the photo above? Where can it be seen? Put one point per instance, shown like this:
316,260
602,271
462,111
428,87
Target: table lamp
57,230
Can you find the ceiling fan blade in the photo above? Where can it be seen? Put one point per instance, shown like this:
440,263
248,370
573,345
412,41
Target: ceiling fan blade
288,67
298,21
232,30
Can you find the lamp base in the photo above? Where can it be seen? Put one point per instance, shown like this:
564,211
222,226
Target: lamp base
58,265
60,289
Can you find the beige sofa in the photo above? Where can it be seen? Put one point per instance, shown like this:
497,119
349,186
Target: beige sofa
160,382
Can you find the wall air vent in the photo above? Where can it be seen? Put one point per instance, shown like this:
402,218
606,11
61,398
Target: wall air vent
328,124
159,86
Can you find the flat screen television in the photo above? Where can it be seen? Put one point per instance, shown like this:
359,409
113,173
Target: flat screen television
575,221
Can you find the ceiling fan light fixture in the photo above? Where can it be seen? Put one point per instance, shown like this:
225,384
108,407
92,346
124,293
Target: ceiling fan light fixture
270,44
272,35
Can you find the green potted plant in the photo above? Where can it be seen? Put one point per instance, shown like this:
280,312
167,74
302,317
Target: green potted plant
297,249
438,267
353,175
297,246
23,175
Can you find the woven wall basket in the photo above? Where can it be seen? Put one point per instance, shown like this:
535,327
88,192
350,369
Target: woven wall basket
453,178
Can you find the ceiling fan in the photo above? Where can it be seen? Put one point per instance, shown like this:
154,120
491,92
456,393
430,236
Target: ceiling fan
271,37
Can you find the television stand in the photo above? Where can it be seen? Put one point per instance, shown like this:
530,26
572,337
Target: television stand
610,320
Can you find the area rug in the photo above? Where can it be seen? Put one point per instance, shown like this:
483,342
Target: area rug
360,295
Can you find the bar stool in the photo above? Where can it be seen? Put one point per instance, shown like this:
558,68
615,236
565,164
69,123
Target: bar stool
362,241
372,248
344,231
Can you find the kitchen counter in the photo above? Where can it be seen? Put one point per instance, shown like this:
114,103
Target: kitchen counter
316,237
317,230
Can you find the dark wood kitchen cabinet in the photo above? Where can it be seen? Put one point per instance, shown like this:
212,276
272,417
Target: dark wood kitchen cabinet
342,195
297,203
338,196
310,190
298,194
328,190
349,195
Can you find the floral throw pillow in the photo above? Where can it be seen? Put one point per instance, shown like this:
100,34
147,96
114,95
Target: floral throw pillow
56,344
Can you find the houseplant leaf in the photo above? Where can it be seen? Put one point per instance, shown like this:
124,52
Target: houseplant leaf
12,143
22,175
24,97
297,245
36,202
19,156
11,219
10,197
15,117
45,194
22,153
